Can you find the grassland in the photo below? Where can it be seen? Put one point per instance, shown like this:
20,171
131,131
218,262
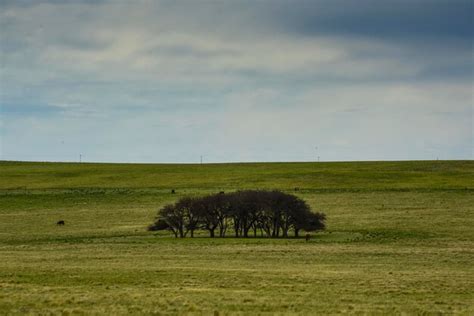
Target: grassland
400,239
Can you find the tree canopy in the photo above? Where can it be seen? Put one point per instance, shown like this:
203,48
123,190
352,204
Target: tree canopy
268,213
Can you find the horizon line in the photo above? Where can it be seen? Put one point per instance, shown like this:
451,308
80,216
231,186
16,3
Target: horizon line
230,162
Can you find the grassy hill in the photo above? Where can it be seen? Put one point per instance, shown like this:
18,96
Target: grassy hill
399,239
323,175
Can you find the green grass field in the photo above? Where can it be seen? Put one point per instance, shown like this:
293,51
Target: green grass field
400,239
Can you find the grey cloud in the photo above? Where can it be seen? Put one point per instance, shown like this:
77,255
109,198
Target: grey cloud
29,3
410,19
33,109
184,50
240,80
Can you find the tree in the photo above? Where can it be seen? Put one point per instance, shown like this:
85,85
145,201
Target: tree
274,213
159,224
207,209
310,222
188,210
174,218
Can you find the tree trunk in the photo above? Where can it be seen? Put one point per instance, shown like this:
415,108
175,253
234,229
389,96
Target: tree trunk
284,229
222,230
276,228
268,231
236,228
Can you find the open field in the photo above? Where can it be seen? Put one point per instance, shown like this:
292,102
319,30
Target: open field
400,239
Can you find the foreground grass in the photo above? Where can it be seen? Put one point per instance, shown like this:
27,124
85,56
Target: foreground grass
399,240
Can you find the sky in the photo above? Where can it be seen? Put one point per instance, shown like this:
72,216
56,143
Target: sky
171,81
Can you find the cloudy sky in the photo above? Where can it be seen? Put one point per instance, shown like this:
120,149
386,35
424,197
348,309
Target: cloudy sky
169,81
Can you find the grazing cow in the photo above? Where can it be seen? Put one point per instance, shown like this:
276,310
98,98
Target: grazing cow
222,192
307,237
173,191
60,223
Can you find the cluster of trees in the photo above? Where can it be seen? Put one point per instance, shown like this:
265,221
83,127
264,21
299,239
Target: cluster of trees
268,213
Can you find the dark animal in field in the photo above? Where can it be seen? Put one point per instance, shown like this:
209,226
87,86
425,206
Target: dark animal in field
222,192
307,237
173,191
61,223
297,189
